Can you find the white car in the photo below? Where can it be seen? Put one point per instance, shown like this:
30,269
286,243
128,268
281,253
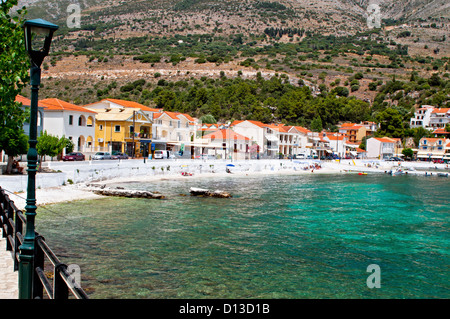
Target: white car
102,156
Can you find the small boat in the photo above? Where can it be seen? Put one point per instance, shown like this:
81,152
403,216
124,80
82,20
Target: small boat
360,173
397,172
443,174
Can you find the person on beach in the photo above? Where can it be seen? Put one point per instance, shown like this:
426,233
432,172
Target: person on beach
16,167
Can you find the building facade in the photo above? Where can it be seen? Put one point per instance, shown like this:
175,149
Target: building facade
72,121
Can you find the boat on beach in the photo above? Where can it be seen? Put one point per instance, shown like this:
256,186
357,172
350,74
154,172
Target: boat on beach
397,172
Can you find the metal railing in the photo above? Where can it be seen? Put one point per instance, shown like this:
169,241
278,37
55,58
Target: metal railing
13,222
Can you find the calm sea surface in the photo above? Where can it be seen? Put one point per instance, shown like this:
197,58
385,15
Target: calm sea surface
310,236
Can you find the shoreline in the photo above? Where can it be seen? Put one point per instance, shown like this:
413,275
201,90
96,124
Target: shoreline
82,190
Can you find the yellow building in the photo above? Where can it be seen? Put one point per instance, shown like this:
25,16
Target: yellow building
127,130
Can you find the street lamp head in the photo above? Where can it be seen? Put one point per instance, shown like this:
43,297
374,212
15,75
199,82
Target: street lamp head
38,38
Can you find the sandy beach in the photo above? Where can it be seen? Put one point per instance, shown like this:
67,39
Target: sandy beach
82,190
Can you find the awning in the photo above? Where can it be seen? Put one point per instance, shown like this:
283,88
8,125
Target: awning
272,138
429,156
354,153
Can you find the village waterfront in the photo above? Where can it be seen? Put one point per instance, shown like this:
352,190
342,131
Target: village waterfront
285,234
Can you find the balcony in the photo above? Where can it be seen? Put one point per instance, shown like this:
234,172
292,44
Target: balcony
139,136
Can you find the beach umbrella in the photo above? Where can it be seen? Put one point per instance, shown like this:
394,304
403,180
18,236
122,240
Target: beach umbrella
231,165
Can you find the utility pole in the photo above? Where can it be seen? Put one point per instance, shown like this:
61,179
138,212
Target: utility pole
134,130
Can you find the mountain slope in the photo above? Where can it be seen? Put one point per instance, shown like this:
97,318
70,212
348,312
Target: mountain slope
315,15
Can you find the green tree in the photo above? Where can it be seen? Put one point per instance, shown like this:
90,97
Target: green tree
208,119
391,123
51,146
14,66
316,124
408,152
14,143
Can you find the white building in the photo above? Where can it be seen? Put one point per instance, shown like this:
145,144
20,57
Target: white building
72,121
421,117
265,141
228,144
380,147
431,148
336,142
439,118
173,131
115,103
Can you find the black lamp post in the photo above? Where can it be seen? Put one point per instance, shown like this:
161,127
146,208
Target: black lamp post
38,33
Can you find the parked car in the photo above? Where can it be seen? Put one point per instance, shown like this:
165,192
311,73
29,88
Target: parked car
119,155
102,156
208,157
74,156
164,154
438,161
395,159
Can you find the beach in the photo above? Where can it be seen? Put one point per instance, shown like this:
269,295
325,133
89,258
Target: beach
75,181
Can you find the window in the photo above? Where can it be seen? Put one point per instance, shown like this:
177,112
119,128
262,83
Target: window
100,127
70,119
425,142
170,123
179,124
117,128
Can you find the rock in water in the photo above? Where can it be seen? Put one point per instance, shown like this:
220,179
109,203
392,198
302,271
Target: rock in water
205,192
127,193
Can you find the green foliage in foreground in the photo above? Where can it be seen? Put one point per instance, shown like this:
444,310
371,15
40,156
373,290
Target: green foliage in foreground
13,78
261,100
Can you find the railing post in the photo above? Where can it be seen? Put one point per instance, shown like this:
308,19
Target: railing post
38,288
18,229
9,229
60,289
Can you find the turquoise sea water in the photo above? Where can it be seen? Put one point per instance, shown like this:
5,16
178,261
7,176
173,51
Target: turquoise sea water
308,236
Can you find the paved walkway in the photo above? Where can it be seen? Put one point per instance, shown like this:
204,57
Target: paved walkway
9,279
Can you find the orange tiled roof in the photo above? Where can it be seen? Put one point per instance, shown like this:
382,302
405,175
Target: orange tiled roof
57,104
226,134
25,101
432,140
132,104
440,131
384,139
173,115
302,129
257,123
442,110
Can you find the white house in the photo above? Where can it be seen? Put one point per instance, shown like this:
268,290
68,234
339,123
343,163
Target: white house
422,117
115,103
336,142
173,131
377,147
228,144
431,148
439,118
265,140
72,121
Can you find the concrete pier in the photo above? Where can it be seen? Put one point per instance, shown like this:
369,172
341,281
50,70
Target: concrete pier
9,279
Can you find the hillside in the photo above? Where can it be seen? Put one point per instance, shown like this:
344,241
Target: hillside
324,44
